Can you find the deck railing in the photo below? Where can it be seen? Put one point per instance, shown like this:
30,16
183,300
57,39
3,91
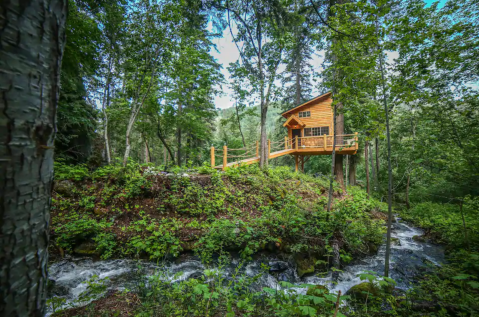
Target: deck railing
343,142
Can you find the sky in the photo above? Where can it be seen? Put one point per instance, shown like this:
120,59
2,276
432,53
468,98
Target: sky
228,53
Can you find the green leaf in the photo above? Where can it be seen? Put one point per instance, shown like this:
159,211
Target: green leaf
307,310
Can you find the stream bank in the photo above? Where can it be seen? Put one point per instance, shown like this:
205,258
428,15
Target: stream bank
409,260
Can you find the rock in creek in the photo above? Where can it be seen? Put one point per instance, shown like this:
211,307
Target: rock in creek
277,266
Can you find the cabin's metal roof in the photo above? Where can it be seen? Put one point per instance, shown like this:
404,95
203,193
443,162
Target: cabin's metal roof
305,103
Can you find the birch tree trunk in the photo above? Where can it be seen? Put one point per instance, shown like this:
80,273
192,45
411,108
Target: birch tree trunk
32,38
366,165
105,116
178,137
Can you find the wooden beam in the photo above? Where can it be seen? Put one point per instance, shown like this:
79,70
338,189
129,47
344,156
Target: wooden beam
296,141
296,158
325,141
212,156
257,149
225,157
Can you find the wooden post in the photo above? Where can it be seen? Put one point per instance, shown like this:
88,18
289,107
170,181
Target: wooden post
225,156
285,142
296,141
296,162
269,147
325,144
212,157
302,164
257,149
356,139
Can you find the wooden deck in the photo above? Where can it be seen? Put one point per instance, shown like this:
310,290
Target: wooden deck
305,146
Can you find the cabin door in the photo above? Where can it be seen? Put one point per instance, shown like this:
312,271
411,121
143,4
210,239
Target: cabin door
296,133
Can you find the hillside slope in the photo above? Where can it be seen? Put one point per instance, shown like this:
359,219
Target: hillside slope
141,212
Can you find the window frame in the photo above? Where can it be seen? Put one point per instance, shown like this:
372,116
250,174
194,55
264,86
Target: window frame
316,131
301,114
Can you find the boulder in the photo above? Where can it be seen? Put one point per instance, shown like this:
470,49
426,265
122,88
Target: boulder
419,238
277,266
64,187
87,248
197,276
363,291
395,241
317,290
100,211
305,265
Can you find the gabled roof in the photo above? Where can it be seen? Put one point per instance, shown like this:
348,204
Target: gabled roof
307,103
293,117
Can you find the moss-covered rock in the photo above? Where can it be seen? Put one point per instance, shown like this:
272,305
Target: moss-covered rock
363,291
419,238
305,265
317,290
87,248
64,187
395,241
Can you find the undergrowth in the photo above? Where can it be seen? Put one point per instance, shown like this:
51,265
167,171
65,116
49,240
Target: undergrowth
143,211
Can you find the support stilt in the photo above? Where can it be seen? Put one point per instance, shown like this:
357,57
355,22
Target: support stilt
296,163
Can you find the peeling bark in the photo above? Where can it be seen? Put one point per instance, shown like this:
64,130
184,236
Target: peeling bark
32,37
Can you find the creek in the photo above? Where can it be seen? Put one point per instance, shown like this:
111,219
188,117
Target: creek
409,259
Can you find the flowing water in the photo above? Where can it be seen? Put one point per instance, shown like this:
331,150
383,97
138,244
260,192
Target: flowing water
408,260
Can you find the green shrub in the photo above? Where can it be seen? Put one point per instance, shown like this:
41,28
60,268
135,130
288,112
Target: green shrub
70,172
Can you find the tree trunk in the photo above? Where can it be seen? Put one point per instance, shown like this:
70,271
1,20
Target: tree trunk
371,159
32,38
366,164
239,124
464,224
264,139
390,173
352,170
136,106
377,158
167,148
105,116
407,191
333,161
298,79
147,152
339,170
178,137
338,166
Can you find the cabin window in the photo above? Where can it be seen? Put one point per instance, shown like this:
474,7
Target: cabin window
305,114
316,131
